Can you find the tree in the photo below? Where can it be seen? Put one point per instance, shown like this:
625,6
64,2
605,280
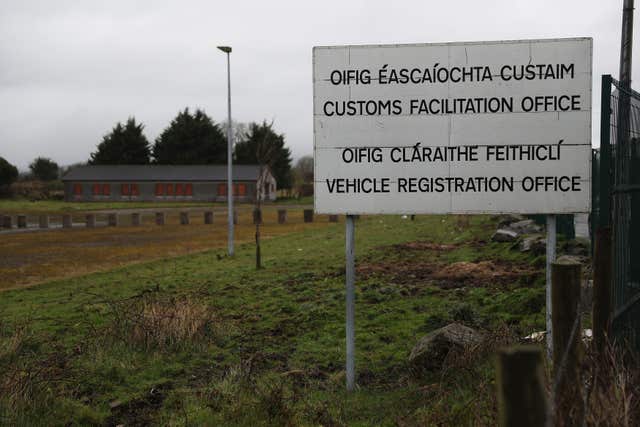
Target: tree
44,169
303,176
191,139
8,174
279,162
124,145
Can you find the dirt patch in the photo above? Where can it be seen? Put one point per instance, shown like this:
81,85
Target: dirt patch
448,276
139,411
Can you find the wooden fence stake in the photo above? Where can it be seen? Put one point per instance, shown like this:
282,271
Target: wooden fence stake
522,400
567,346
602,288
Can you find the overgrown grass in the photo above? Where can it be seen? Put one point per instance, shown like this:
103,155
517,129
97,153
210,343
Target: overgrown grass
205,339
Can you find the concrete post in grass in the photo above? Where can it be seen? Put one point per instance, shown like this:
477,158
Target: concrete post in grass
135,219
67,221
43,221
308,215
22,221
91,220
282,216
112,220
333,218
208,217
184,218
161,218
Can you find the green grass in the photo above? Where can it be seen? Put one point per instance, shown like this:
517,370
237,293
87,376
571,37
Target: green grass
272,352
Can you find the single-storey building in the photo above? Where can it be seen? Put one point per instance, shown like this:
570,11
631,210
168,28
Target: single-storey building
166,183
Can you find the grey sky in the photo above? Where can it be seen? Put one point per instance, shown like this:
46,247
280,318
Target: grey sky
69,70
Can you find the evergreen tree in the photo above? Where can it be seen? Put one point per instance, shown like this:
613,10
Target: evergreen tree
124,145
44,169
8,174
262,137
191,139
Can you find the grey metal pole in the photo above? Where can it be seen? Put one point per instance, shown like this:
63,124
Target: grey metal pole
626,43
229,158
551,257
350,300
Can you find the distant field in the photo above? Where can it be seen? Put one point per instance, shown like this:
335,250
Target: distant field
30,258
202,339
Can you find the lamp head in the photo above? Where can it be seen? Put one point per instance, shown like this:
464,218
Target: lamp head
225,49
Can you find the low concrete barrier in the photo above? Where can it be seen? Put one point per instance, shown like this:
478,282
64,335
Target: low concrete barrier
135,219
161,218
91,220
208,217
184,218
308,215
257,216
282,216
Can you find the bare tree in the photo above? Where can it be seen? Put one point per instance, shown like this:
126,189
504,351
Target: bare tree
265,154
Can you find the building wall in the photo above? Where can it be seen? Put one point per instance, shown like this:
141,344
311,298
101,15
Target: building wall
202,191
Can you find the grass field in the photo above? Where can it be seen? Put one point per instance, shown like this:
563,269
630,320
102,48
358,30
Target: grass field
203,339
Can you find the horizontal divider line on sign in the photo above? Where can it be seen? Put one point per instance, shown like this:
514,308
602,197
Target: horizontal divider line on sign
340,147
422,116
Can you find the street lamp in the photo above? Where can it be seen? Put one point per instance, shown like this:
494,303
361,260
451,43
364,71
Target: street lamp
227,50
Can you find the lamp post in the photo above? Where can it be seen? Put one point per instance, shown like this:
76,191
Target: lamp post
227,50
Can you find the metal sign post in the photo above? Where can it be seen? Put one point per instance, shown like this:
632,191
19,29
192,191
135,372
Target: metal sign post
350,302
551,257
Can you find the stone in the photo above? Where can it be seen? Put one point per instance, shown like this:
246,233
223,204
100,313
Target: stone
535,243
504,235
431,351
507,219
526,226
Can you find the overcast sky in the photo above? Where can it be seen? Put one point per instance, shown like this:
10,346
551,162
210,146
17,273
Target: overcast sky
69,70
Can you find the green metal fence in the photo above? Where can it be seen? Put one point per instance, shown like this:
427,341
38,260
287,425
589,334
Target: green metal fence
616,194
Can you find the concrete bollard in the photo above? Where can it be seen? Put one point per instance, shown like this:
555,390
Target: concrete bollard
112,220
333,218
22,221
257,216
135,219
67,221
6,221
91,220
184,218
208,217
308,215
282,216
43,221
161,218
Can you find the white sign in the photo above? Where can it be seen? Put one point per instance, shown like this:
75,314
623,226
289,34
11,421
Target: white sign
487,127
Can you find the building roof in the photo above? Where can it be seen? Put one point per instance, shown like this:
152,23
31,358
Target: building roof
161,173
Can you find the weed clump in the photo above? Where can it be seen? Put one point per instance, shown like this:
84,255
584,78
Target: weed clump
156,322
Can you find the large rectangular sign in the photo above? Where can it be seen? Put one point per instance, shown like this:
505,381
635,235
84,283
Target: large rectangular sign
483,127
